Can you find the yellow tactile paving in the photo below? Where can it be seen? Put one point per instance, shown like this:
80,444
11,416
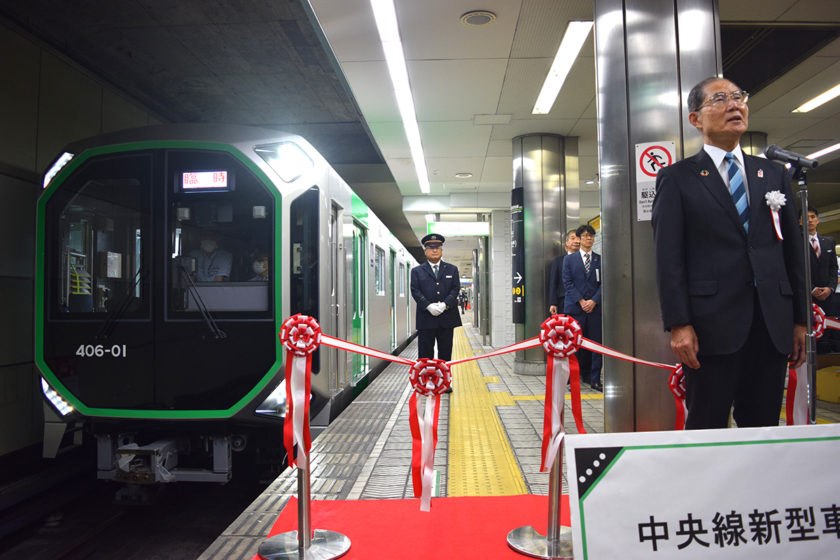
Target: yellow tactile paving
568,397
481,461
491,380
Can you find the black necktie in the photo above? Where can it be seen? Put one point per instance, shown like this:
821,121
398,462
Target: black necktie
436,270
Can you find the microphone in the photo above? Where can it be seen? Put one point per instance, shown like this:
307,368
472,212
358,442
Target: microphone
775,152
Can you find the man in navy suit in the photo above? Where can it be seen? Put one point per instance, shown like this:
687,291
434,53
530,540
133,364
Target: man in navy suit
731,292
556,288
582,278
435,286
823,264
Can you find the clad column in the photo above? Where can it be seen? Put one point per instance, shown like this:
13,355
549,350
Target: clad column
539,186
648,56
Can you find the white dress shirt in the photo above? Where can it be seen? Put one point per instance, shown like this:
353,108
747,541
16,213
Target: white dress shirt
718,156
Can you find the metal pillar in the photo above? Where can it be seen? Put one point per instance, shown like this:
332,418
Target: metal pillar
539,168
753,143
648,55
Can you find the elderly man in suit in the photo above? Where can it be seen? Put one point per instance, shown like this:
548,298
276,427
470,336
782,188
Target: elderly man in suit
582,278
823,264
435,286
731,292
556,287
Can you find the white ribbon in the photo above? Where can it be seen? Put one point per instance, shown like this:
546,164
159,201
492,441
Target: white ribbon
559,376
427,456
800,400
298,387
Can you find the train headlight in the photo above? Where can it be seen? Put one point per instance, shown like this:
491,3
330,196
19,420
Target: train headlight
56,167
286,158
275,404
60,404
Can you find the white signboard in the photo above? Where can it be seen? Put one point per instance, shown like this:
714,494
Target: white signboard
650,158
768,493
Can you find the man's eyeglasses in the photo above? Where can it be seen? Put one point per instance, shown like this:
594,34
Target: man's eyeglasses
587,236
721,99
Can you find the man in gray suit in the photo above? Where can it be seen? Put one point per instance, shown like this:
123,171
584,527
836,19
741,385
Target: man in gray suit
731,292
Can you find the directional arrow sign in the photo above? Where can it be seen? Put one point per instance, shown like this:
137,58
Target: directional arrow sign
518,278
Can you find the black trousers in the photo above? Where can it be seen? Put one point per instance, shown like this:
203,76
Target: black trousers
752,379
426,343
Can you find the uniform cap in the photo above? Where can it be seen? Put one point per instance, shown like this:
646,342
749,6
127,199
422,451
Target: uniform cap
433,240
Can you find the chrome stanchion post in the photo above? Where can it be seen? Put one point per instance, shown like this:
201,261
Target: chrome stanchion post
810,339
557,544
304,543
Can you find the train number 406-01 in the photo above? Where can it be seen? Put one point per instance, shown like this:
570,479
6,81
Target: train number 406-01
91,351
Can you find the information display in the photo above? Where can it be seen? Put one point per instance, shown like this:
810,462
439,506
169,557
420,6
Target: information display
191,180
517,252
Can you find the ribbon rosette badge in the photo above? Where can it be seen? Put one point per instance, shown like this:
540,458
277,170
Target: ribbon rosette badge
301,335
560,336
775,200
819,321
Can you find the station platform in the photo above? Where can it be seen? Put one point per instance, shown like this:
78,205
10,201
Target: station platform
489,442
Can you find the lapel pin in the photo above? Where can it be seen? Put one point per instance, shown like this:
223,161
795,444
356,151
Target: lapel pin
704,173
760,173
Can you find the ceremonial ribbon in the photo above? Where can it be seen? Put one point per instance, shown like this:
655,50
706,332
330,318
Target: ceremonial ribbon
796,407
676,381
301,336
430,379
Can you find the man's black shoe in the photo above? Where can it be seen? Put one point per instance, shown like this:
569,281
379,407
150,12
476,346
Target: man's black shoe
448,390
597,387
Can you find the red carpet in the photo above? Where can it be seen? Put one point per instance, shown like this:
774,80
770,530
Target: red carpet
462,528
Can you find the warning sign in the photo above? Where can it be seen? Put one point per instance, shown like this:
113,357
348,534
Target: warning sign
650,158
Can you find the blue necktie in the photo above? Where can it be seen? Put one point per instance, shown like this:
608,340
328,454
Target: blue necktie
739,194
436,271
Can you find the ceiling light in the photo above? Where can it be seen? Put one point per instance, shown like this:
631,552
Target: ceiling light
430,218
463,175
576,34
592,180
819,100
389,34
478,18
825,151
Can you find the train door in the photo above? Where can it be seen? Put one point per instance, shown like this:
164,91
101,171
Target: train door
339,372
359,332
392,286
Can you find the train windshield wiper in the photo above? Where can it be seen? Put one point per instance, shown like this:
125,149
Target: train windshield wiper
110,323
205,313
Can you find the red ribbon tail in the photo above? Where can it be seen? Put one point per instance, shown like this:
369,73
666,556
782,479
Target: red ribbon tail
679,424
549,388
288,428
307,435
577,412
791,395
416,446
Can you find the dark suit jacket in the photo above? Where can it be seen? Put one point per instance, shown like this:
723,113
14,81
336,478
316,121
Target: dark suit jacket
708,268
556,288
426,289
824,269
580,285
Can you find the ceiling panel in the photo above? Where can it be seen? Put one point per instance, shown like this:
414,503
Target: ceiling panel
498,170
542,24
804,91
370,83
546,125
454,139
525,78
823,11
456,90
496,186
432,30
499,148
799,75
779,129
443,170
391,139
771,10
584,130
350,28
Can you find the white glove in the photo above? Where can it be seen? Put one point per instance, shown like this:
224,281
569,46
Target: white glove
436,308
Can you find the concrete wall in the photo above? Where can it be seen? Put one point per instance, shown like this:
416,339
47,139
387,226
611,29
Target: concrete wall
502,329
45,103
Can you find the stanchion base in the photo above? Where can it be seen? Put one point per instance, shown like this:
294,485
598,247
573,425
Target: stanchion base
324,546
526,540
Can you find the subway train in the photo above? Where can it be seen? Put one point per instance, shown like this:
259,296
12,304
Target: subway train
168,258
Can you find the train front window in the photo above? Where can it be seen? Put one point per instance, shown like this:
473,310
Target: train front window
97,263
221,238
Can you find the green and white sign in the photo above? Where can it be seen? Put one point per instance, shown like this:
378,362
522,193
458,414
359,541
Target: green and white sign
458,228
768,493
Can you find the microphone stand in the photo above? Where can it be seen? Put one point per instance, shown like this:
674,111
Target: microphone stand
799,174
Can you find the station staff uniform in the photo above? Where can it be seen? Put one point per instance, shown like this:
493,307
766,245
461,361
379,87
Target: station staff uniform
427,288
207,267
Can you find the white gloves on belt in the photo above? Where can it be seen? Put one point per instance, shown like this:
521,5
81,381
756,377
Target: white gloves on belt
436,308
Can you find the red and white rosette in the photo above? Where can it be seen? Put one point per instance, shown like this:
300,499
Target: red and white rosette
775,200
676,381
560,337
301,336
430,378
796,405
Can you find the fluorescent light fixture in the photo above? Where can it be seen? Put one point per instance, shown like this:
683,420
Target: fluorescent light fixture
56,167
576,34
389,34
824,151
430,218
60,404
287,159
819,100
